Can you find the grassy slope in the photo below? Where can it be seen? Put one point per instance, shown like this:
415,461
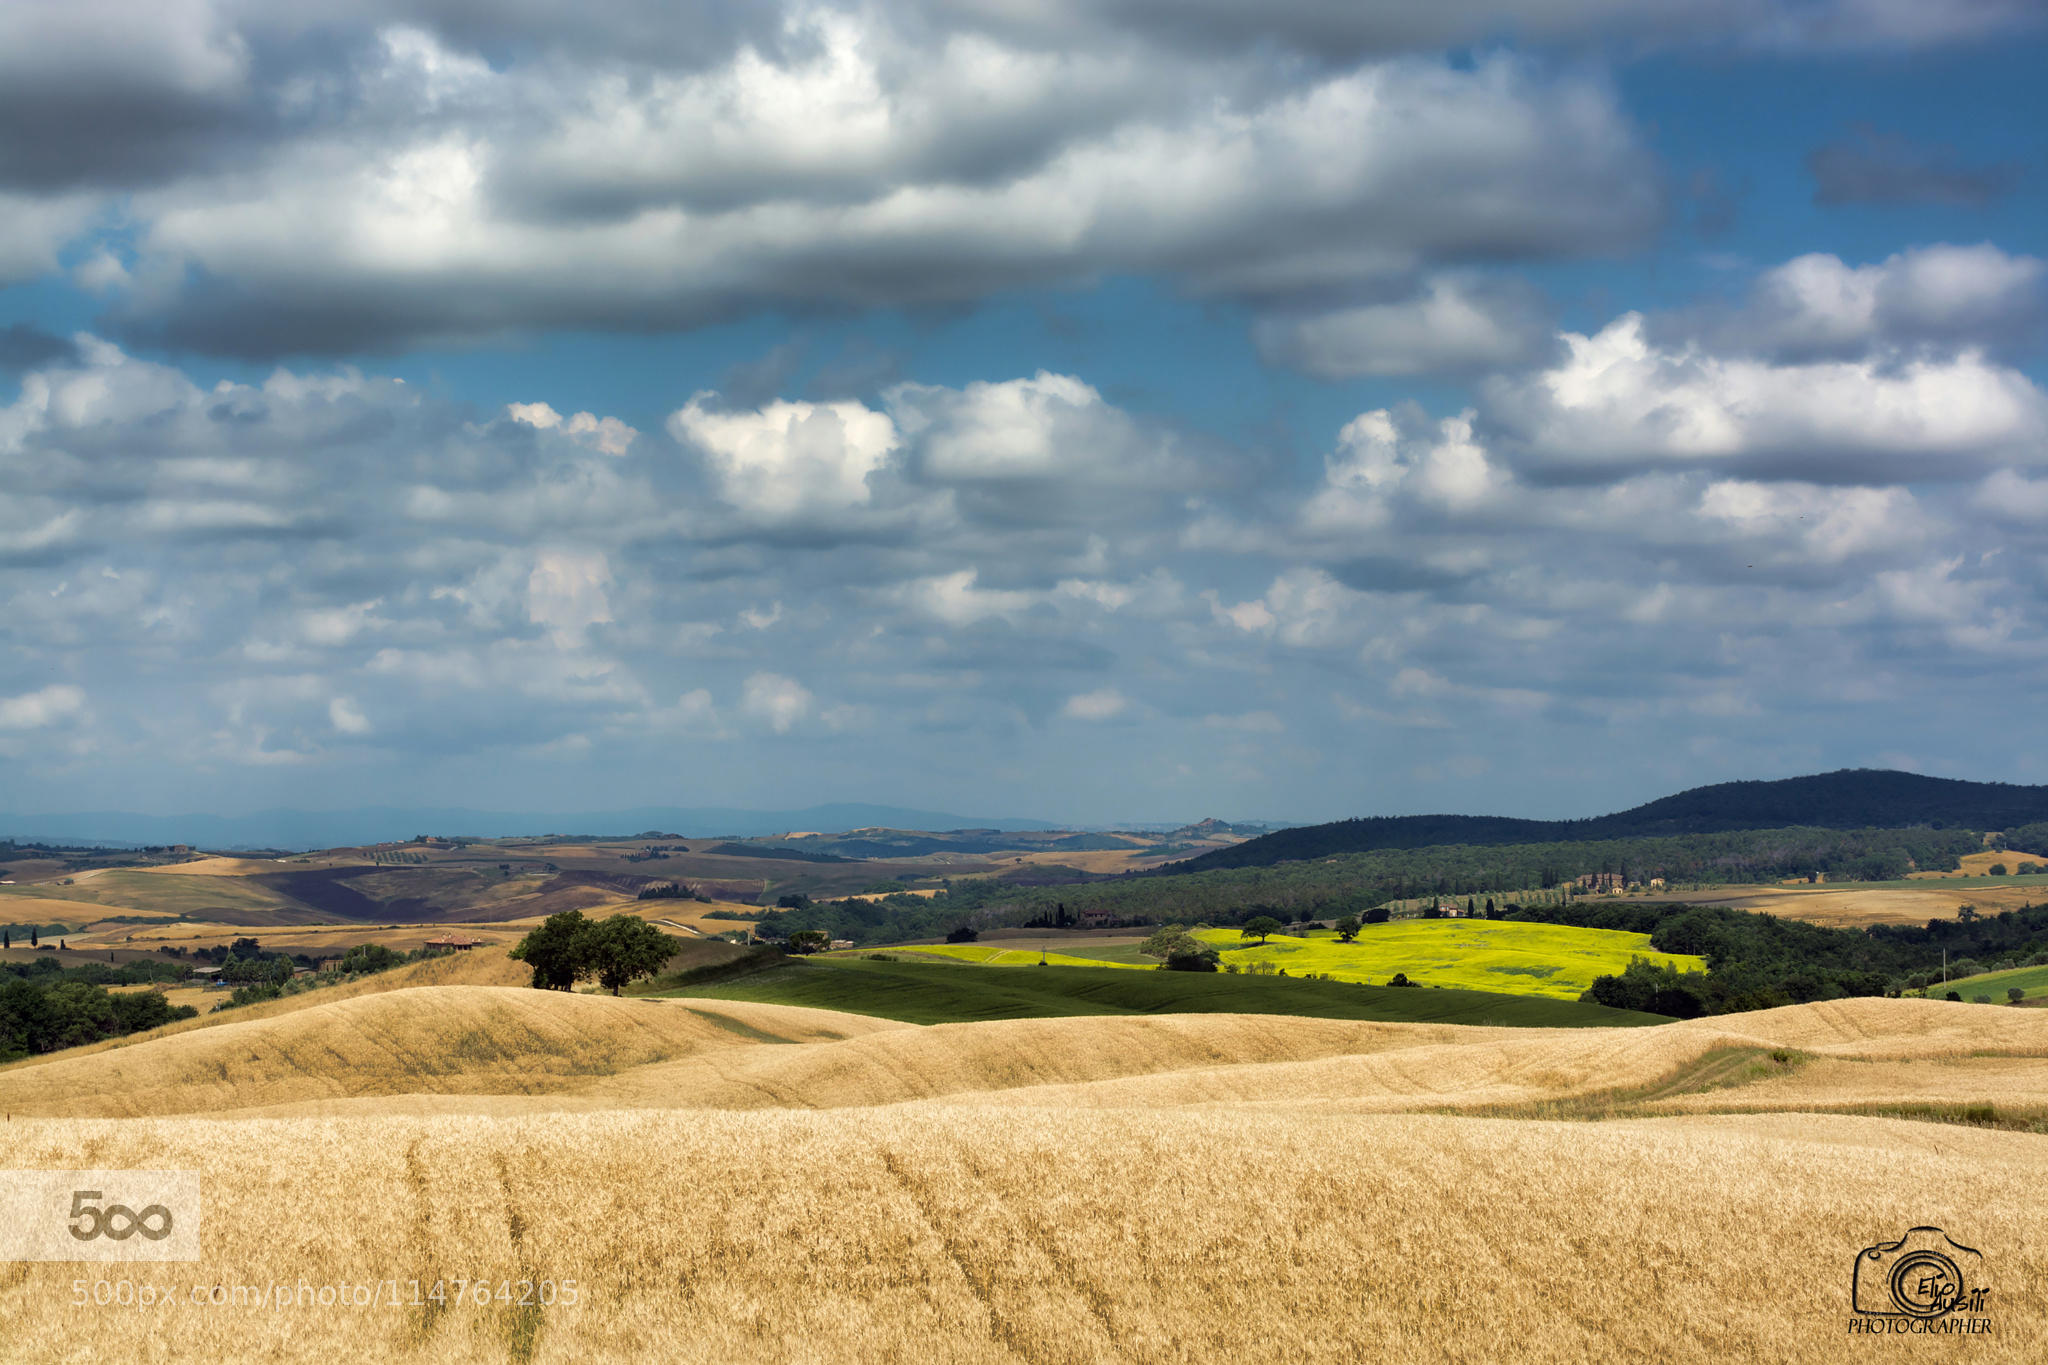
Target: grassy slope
1485,955
2032,980
931,993
997,955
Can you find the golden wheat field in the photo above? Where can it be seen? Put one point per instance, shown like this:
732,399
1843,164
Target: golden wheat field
727,1181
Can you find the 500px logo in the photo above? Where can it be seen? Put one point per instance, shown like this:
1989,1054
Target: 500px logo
1926,1283
117,1221
99,1215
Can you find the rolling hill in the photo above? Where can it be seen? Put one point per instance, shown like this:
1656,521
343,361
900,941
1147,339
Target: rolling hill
531,1177
1852,798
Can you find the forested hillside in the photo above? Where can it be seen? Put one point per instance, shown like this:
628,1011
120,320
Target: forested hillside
1853,798
1353,883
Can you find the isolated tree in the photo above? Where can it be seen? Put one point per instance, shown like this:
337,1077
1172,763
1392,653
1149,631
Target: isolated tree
2015,993
32,938
1347,928
809,941
555,951
1379,914
1260,927
961,933
6,938
1997,869
1163,939
623,949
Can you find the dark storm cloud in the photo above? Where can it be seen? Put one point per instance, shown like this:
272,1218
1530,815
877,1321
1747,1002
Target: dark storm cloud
25,346
1870,167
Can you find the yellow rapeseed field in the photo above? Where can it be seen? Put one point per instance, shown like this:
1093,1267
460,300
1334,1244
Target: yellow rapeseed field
715,1181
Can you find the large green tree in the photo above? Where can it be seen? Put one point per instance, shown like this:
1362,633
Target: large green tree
567,948
624,949
555,951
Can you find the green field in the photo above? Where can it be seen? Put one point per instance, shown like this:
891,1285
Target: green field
941,993
2032,980
1483,955
995,955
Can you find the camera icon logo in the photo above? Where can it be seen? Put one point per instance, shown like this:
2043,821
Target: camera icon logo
1924,1274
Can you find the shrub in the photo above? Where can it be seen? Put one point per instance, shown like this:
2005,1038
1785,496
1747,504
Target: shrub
1952,995
962,933
1980,999
1401,979
2015,994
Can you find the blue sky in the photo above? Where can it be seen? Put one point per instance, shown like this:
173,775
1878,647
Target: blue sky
1110,412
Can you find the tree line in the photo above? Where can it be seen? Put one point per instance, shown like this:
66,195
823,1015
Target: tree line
46,1006
1355,883
1757,961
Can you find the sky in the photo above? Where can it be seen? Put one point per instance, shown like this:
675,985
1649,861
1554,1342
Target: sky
1122,411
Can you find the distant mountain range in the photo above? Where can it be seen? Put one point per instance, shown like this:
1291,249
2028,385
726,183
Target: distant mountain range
1853,798
299,829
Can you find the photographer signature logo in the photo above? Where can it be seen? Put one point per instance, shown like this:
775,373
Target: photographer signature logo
1924,1283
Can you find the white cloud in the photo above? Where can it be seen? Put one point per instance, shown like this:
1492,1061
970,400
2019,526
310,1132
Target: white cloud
790,462
779,703
1051,426
1818,306
1383,459
566,594
1619,402
42,708
347,717
955,599
606,434
2008,497
1102,704
1303,608
1455,323
871,159
1824,524
34,229
339,625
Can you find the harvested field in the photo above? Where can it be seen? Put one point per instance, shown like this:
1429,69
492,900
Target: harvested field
1853,906
957,1234
728,1181
43,910
217,867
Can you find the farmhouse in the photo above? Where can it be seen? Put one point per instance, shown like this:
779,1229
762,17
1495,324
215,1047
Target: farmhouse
454,941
